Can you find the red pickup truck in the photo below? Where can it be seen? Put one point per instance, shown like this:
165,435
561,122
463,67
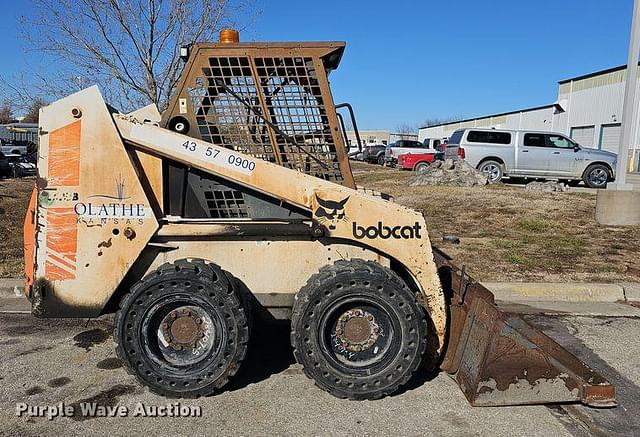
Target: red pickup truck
422,161
418,161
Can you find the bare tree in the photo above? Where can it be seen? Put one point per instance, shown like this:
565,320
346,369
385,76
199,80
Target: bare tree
436,121
129,47
6,113
406,129
33,112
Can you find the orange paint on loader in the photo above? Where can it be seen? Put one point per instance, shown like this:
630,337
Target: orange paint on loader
64,156
29,233
62,244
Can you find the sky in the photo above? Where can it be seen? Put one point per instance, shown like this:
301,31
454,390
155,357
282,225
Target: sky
408,61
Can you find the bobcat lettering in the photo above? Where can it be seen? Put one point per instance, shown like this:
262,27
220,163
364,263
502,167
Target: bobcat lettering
384,232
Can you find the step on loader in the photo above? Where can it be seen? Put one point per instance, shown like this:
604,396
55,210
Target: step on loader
240,196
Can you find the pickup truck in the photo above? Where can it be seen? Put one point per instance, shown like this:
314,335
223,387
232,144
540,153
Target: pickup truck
403,147
419,161
15,149
374,154
532,154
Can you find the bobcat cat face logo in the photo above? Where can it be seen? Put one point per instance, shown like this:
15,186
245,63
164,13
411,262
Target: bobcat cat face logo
330,212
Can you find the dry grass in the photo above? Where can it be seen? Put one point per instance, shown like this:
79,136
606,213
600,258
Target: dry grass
508,233
14,198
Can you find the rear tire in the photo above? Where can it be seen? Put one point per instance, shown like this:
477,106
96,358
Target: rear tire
182,330
422,166
596,176
358,330
493,170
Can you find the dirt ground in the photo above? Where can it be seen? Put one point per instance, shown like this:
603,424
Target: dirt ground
14,198
506,232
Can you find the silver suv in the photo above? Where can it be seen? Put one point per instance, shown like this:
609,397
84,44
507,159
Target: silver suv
533,154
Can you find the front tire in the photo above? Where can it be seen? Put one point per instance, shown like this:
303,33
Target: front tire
182,330
358,330
493,170
381,160
596,176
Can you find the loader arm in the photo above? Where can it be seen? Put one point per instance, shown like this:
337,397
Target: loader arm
398,232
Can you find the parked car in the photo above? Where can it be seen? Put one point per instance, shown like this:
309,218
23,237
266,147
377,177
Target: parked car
532,154
402,147
374,154
16,149
419,161
5,168
20,166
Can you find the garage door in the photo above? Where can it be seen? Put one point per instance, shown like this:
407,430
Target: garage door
583,135
610,137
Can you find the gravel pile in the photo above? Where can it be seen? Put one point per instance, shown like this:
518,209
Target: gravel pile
450,172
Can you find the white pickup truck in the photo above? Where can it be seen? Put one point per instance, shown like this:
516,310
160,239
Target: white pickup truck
532,154
15,149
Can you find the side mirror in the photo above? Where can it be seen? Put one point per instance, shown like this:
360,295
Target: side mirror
576,148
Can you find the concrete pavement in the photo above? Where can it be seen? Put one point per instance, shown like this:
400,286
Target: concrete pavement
46,362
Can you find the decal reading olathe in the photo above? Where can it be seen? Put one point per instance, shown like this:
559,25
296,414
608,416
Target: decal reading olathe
115,208
215,155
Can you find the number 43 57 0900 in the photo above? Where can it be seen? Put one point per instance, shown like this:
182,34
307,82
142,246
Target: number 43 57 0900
232,160
192,146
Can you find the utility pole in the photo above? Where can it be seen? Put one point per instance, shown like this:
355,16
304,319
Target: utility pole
619,204
629,97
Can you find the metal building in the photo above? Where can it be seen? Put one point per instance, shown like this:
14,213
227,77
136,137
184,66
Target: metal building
19,133
370,137
588,109
540,118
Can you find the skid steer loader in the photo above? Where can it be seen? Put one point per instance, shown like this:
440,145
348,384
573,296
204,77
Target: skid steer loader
241,196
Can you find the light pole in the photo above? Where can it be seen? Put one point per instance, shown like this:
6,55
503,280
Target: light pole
619,204
629,98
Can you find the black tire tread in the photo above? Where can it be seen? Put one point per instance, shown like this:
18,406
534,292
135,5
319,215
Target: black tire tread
585,176
212,273
355,268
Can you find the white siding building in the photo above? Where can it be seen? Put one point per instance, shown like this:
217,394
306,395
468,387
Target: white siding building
540,118
588,109
371,137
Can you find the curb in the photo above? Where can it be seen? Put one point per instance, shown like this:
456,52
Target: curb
557,291
504,291
631,290
11,287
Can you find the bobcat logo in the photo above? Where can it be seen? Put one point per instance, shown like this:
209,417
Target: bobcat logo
330,212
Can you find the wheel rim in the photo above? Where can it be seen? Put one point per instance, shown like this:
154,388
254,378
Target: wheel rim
492,171
598,176
179,333
422,168
359,334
